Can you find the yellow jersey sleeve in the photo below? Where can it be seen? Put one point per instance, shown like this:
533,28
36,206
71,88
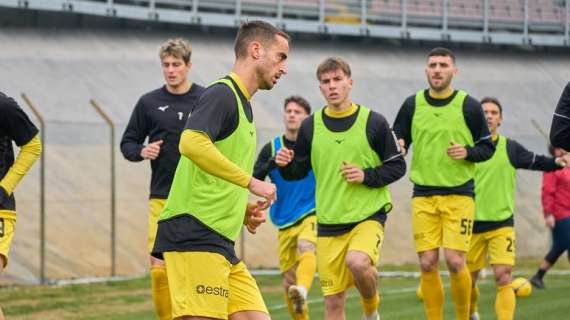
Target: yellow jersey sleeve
198,147
28,154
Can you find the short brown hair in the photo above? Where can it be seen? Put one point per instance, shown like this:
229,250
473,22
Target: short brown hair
333,64
494,101
178,48
255,31
441,52
298,100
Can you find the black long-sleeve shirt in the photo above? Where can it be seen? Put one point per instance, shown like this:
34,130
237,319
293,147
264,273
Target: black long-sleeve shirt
159,115
475,120
560,129
520,158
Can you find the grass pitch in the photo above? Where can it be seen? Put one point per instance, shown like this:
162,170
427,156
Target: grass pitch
131,299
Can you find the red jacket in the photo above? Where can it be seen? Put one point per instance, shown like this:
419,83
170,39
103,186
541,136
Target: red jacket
556,193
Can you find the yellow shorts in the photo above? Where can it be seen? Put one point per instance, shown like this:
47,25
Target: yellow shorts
205,284
288,239
335,277
7,226
442,221
499,244
156,206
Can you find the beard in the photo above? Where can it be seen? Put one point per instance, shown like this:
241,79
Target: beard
444,84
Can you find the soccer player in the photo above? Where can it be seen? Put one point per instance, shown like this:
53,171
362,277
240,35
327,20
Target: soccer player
449,134
14,126
293,213
556,209
160,116
354,156
493,232
560,129
208,202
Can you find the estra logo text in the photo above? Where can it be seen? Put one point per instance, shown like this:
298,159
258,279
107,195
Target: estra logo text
215,291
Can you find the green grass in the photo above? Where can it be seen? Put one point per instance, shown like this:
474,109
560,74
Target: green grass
131,300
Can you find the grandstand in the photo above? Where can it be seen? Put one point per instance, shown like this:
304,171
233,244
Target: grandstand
60,69
536,22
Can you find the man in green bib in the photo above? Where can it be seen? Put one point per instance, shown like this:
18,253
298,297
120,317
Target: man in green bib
354,156
493,231
208,202
449,135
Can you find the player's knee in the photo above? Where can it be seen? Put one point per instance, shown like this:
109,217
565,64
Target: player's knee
503,276
429,263
305,246
358,263
455,263
334,303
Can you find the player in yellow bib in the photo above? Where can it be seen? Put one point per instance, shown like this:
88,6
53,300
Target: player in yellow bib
15,126
354,156
208,203
493,229
449,135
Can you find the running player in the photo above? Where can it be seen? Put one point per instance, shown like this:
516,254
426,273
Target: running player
449,133
160,116
355,156
556,209
493,231
293,213
208,202
560,129
14,126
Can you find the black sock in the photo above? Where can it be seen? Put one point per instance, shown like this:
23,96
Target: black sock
540,273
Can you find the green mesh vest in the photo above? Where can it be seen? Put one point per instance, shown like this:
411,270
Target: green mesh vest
215,202
432,130
337,201
495,183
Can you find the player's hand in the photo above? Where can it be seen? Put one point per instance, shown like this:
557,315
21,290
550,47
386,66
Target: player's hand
549,221
284,156
403,146
263,189
352,173
151,150
563,161
456,151
254,217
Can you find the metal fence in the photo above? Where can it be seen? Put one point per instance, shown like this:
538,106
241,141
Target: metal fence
82,209
514,22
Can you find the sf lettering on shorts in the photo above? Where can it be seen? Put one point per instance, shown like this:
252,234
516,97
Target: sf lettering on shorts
366,237
442,221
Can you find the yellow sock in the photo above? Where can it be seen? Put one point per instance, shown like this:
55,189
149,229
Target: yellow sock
461,292
432,290
370,305
296,316
505,302
474,299
306,269
160,292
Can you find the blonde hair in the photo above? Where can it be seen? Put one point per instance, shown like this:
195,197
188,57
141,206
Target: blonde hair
178,48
